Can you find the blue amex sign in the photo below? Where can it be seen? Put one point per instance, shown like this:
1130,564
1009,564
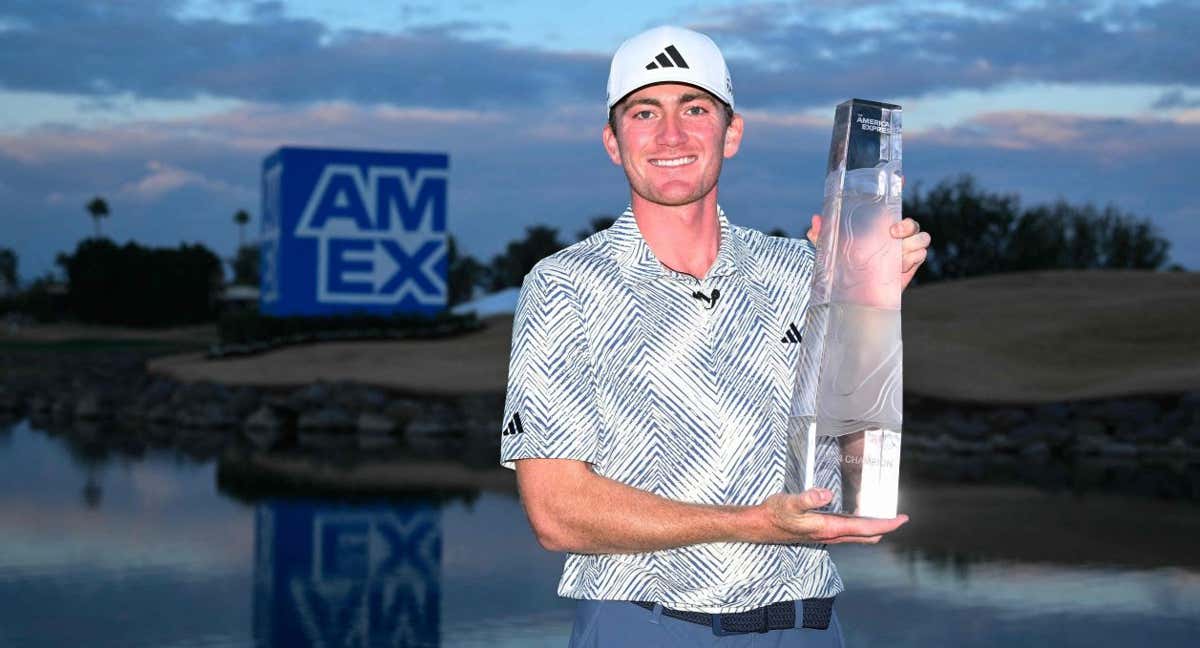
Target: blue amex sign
353,231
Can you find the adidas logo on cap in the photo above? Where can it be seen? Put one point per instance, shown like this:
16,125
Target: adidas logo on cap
670,57
658,56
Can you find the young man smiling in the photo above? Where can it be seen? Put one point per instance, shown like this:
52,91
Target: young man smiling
649,390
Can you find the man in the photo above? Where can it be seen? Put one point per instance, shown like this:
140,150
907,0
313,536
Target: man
649,390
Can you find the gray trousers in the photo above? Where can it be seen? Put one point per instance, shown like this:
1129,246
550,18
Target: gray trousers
620,624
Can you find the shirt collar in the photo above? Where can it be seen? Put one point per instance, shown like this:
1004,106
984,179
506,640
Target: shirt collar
638,260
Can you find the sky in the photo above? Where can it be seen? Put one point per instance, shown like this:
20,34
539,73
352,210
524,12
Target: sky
166,108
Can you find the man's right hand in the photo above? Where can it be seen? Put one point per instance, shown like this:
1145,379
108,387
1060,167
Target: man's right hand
792,518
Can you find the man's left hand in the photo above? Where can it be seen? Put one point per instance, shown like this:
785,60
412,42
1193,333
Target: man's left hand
914,244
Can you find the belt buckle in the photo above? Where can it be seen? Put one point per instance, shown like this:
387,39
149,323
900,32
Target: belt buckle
716,626
761,627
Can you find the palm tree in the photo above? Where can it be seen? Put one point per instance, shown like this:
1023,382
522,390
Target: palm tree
241,218
98,209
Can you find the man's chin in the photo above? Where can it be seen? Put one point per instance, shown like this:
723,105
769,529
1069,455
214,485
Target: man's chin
669,197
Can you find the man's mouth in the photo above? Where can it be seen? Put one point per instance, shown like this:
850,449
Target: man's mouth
673,162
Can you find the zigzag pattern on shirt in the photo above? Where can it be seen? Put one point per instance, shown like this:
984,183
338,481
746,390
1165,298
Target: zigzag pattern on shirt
615,363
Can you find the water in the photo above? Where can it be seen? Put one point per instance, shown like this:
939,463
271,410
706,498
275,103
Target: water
144,548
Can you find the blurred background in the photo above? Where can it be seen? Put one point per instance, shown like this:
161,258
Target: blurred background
192,454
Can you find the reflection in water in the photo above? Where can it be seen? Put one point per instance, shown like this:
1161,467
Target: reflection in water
173,558
347,575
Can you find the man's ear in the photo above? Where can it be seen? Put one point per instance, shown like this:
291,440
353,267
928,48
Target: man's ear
733,135
611,145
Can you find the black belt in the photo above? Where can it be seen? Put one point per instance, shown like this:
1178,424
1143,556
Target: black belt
776,616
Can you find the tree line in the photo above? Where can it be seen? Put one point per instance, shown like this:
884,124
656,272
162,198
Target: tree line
975,232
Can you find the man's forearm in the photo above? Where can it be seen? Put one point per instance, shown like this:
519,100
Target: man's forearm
588,513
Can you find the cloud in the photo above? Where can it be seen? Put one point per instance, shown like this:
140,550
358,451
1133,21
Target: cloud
782,55
145,49
162,179
803,54
1175,99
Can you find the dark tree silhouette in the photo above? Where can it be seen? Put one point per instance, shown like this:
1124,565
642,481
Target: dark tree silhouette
141,286
976,232
246,265
8,269
508,269
98,209
465,273
241,218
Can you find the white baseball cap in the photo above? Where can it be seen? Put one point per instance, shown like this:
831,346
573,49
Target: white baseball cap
669,55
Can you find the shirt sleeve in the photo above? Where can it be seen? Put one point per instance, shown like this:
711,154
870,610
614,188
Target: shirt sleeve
550,405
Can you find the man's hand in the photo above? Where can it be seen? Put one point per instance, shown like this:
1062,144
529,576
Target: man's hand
792,519
915,244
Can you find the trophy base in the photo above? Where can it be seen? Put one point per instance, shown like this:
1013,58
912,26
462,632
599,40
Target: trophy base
861,468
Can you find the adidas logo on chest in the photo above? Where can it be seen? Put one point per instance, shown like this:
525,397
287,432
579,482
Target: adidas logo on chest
791,335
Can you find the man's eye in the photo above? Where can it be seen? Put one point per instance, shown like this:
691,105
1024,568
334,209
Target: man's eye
643,114
696,110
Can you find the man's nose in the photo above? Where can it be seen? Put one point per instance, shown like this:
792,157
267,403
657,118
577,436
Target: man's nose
670,132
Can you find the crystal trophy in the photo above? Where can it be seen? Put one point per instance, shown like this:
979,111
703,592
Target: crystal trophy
848,400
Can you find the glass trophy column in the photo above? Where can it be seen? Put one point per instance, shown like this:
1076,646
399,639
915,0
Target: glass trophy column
849,387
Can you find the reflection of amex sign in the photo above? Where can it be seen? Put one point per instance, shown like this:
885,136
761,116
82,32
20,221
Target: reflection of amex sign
379,236
374,580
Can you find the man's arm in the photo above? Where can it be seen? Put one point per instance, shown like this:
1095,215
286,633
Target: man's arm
571,508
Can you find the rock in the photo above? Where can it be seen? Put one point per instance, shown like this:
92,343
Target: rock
200,392
161,414
1190,400
1006,417
40,405
1191,433
314,395
1037,449
435,430
375,424
1152,433
373,399
63,408
318,440
10,400
158,391
244,402
1089,444
1121,449
1029,433
328,419
93,406
376,431
264,428
402,411
1052,412
1001,442
1178,418
1139,411
966,428
1088,427
206,416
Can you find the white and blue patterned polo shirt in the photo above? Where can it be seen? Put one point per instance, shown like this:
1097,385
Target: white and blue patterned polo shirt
617,363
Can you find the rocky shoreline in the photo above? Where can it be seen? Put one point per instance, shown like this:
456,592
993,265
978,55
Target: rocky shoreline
107,391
